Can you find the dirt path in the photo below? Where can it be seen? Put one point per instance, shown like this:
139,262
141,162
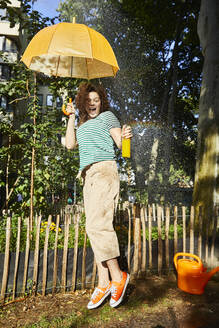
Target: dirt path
152,302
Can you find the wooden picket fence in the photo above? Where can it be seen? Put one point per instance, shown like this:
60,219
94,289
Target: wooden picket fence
142,253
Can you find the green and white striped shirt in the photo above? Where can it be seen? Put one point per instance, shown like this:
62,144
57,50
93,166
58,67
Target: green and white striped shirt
94,139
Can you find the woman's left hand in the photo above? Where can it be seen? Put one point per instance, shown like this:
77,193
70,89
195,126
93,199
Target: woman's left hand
127,131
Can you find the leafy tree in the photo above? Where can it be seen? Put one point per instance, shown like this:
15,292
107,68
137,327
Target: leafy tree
158,82
32,155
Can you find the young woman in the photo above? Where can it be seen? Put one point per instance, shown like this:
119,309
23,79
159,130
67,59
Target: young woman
98,130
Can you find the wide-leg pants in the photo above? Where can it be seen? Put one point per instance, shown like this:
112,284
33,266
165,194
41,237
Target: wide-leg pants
101,192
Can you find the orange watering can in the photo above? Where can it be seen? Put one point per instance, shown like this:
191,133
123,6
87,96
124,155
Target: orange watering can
192,275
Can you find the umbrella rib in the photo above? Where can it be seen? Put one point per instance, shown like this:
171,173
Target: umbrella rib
57,66
87,68
71,67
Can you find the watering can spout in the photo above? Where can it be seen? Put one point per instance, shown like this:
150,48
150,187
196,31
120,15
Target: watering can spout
192,276
211,273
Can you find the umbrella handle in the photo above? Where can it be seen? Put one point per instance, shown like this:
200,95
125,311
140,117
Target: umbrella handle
63,108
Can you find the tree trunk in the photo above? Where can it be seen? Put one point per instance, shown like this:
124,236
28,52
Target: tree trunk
33,158
7,175
206,188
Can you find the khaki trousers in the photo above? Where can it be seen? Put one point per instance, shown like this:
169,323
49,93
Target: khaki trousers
101,192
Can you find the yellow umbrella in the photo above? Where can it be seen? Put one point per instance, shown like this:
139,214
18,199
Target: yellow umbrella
70,50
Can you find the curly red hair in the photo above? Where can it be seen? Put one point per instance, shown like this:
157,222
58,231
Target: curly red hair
82,99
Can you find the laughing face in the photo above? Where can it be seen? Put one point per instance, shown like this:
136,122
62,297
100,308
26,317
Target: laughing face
93,104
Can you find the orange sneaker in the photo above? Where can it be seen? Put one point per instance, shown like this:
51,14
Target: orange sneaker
118,290
99,296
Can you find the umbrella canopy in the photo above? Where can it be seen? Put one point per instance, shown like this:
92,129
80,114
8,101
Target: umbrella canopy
70,50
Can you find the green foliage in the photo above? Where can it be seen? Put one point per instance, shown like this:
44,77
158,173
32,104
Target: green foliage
54,166
52,234
154,233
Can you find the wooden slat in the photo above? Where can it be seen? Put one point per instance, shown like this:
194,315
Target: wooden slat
175,237
17,256
129,238
6,259
150,236
136,246
192,216
143,262
27,252
94,273
65,253
214,231
200,232
75,260
36,255
45,256
55,265
160,250
154,212
206,240
137,214
184,227
83,275
167,228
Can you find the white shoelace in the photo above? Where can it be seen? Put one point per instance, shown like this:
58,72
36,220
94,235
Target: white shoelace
113,290
95,293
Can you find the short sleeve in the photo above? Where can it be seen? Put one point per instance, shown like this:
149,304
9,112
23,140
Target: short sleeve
110,120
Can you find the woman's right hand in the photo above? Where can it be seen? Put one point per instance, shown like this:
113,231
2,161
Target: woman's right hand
70,109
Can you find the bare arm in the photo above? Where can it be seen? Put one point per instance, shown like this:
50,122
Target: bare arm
70,137
117,134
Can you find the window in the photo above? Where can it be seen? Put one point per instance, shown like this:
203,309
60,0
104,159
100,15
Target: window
2,40
49,100
5,105
7,44
3,13
5,72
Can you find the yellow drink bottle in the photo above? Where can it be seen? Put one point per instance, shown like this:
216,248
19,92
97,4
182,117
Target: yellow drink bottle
63,108
126,147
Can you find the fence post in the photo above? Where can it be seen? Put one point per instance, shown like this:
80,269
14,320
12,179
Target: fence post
17,256
137,241
184,228
215,216
206,241
160,251
45,256
6,259
167,228
143,263
200,232
36,255
94,274
83,275
65,253
150,236
129,238
137,238
27,251
74,271
192,216
175,215
55,265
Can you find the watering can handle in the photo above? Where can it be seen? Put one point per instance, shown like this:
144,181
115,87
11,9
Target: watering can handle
185,254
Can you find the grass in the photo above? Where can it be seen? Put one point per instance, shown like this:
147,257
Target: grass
87,318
